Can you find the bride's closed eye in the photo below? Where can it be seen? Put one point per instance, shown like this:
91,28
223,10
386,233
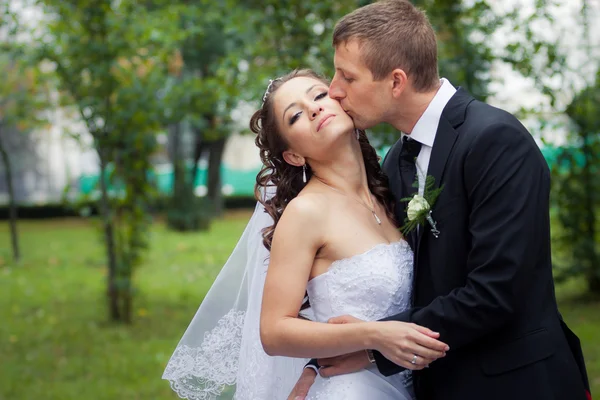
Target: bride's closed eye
320,96
295,117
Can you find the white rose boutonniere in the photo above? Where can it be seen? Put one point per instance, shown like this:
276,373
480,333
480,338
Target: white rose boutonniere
416,206
418,210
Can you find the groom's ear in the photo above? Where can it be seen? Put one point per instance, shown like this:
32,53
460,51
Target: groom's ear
399,82
293,158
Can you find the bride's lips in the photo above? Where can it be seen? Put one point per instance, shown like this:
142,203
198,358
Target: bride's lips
324,120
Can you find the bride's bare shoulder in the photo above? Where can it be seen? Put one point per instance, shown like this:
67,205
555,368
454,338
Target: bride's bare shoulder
308,206
303,220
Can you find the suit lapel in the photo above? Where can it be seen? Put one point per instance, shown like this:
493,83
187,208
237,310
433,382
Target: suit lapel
452,117
391,167
442,146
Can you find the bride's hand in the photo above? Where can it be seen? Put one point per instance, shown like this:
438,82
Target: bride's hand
408,345
399,342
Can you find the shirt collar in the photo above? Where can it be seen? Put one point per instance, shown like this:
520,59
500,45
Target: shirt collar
426,127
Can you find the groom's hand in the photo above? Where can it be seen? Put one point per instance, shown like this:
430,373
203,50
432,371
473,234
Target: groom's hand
345,364
303,385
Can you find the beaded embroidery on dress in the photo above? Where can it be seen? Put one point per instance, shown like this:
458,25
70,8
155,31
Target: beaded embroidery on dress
369,286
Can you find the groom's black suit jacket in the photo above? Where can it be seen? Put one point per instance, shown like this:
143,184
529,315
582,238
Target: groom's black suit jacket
486,283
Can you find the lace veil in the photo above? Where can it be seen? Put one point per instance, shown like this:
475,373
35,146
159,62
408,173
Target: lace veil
220,355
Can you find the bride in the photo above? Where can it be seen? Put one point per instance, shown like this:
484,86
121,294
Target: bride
323,230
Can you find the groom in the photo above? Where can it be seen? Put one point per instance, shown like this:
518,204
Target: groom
485,281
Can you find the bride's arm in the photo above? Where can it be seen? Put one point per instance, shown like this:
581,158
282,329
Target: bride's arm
298,237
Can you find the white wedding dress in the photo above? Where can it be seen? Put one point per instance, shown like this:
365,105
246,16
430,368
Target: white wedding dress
369,286
220,355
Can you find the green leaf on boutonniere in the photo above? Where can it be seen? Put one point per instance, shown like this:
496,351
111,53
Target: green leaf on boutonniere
418,210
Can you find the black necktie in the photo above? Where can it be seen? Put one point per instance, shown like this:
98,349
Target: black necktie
408,169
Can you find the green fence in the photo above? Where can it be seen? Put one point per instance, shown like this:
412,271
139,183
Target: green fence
236,183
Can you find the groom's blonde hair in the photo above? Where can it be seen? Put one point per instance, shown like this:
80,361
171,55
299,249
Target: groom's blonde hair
393,34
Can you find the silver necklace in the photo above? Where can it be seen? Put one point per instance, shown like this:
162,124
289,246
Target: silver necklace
372,209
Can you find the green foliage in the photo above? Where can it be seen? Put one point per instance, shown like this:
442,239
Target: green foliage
201,94
25,84
536,57
23,93
281,36
464,51
200,80
111,67
577,191
189,213
24,97
575,173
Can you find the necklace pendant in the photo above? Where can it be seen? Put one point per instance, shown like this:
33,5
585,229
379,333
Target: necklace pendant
376,218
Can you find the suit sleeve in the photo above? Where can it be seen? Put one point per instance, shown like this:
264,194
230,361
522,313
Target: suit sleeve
507,184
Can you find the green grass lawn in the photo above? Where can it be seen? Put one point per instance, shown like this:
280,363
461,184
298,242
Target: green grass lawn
56,343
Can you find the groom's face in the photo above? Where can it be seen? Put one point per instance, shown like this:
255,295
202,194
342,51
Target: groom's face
367,101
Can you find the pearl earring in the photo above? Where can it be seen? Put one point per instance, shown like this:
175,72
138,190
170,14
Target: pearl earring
304,173
357,134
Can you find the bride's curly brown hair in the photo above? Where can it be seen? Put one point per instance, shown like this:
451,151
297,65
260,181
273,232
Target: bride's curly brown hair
286,178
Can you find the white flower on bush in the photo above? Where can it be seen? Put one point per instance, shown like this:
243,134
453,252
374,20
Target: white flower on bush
416,206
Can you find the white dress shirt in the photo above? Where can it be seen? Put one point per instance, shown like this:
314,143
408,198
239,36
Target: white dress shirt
426,128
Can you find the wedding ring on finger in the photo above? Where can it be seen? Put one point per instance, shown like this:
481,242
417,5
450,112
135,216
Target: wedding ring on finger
414,360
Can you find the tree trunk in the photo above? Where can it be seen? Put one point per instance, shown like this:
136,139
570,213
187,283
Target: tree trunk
109,238
127,303
214,175
594,284
199,148
177,161
12,203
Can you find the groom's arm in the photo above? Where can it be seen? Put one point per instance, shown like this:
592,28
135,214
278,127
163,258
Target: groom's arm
507,185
